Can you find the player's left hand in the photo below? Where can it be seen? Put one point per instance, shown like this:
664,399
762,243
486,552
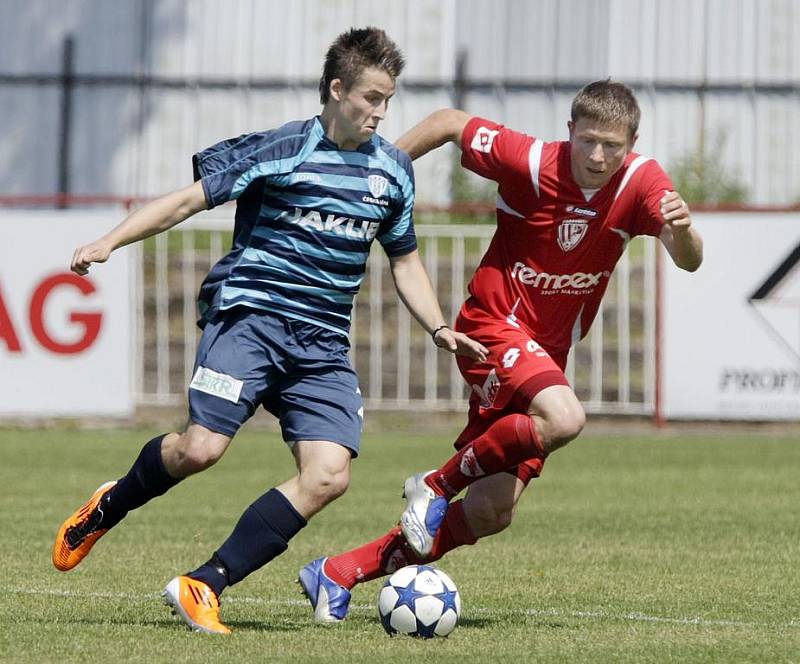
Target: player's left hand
675,210
460,344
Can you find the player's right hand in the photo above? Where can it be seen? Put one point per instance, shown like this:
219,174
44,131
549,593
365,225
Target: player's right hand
96,252
459,343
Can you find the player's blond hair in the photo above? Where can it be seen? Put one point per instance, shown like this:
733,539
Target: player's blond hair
355,50
608,102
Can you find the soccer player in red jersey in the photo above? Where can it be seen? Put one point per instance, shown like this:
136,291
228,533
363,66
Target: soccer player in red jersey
565,213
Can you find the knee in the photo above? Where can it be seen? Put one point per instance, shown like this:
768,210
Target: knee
198,450
327,484
563,425
488,517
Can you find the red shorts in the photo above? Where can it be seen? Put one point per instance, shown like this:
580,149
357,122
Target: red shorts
517,369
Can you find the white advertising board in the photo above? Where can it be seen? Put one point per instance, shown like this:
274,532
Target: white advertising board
731,330
65,340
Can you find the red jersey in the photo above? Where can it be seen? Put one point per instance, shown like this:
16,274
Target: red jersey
551,258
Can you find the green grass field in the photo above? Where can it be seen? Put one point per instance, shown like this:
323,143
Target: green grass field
630,549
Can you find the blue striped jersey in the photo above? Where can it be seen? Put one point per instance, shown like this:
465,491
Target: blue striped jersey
306,215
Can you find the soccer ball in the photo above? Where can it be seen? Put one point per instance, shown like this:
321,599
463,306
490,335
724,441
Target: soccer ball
419,600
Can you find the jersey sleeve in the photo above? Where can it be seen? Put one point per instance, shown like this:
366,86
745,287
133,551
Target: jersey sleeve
494,151
227,168
653,184
397,236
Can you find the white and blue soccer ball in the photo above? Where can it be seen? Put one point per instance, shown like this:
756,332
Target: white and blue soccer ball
419,600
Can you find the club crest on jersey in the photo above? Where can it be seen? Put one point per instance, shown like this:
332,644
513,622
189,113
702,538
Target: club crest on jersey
571,232
377,185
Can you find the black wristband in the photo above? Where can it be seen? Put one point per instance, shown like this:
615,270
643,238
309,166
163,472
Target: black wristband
441,327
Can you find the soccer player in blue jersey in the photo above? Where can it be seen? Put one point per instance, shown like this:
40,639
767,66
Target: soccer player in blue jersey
311,197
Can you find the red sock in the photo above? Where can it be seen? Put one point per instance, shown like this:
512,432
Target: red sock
391,552
507,443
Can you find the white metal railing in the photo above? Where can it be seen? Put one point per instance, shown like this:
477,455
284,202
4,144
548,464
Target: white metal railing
612,370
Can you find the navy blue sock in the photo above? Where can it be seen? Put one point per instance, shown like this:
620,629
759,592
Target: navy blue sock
262,533
146,479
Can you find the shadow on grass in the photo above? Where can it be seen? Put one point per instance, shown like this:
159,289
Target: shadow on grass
258,626
172,624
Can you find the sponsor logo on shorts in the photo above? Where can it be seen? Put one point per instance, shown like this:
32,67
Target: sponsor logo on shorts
510,358
469,465
487,392
216,384
536,349
577,283
483,139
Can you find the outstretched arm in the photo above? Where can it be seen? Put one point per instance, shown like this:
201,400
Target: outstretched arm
157,216
435,130
415,290
682,242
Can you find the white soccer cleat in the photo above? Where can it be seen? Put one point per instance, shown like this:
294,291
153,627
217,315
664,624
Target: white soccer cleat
423,515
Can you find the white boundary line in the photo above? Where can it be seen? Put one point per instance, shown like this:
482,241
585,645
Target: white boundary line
549,613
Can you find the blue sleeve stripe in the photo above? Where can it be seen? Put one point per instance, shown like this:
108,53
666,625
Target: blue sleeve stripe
277,165
262,169
205,157
401,247
402,227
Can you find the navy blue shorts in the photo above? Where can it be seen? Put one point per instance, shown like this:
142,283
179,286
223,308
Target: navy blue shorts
298,371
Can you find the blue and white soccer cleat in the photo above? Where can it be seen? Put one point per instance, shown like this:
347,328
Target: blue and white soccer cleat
329,600
423,515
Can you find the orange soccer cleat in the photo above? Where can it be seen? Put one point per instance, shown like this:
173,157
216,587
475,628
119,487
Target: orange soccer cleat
80,531
195,603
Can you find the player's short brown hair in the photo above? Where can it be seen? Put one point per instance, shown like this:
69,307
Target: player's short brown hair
354,51
608,102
